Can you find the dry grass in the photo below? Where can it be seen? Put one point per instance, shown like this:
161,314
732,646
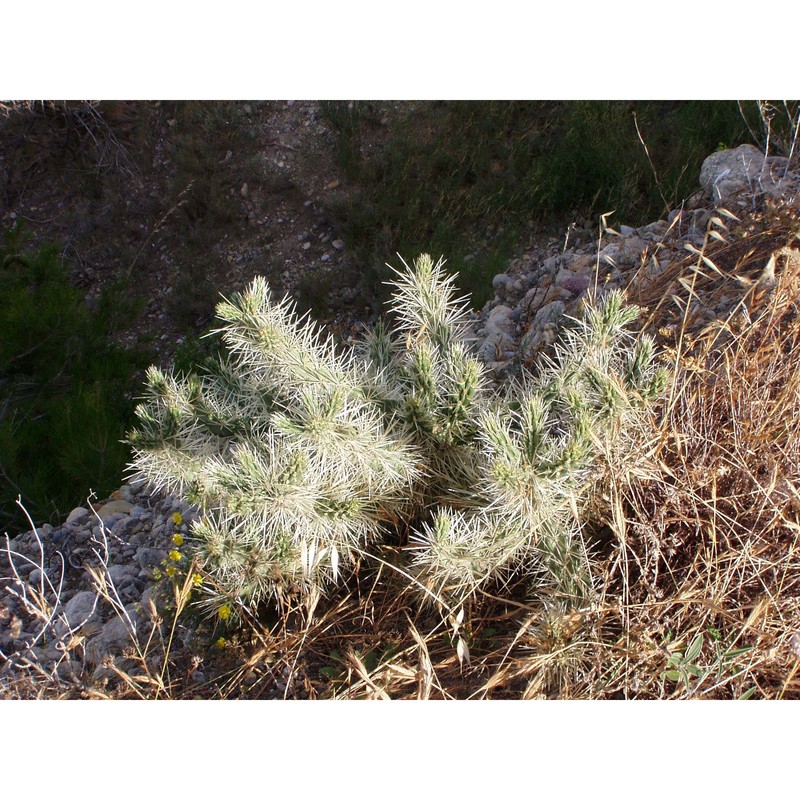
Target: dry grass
697,565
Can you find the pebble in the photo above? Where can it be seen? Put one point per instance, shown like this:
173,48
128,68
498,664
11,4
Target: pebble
77,514
114,507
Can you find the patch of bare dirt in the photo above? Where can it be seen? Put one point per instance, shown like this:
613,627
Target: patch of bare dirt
172,204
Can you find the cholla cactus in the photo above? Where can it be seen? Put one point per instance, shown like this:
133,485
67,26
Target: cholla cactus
301,456
294,466
544,444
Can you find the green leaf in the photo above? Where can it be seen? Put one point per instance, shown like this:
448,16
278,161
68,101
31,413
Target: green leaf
672,675
694,648
332,673
389,651
736,652
370,660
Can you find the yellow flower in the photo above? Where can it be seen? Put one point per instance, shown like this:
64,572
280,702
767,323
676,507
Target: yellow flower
171,571
220,642
197,579
177,540
177,518
174,555
224,612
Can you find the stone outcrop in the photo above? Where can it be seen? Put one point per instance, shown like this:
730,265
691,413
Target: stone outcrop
547,285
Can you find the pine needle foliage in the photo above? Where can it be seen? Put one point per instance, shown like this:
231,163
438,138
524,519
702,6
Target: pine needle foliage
302,455
65,388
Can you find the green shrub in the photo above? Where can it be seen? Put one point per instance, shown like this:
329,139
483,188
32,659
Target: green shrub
301,456
64,389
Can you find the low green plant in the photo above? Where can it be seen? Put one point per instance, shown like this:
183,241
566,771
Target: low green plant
302,455
686,667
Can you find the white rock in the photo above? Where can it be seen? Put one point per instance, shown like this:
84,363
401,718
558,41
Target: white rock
114,507
500,283
744,169
80,610
125,493
548,314
77,514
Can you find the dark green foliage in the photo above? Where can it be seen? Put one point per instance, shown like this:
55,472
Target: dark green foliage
64,389
468,178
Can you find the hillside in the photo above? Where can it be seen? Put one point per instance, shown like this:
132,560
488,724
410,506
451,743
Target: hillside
688,535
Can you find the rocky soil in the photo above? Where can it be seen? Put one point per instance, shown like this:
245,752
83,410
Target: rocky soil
172,204
547,285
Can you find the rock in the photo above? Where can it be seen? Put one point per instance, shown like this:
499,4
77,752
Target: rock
631,251
125,526
500,317
573,282
114,507
550,313
700,218
120,574
498,333
675,214
150,558
83,535
582,264
653,231
610,254
542,329
119,633
77,515
500,283
745,169
80,610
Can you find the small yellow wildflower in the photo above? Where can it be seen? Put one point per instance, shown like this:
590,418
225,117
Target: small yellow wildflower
177,540
174,555
220,642
177,518
224,612
171,571
197,579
